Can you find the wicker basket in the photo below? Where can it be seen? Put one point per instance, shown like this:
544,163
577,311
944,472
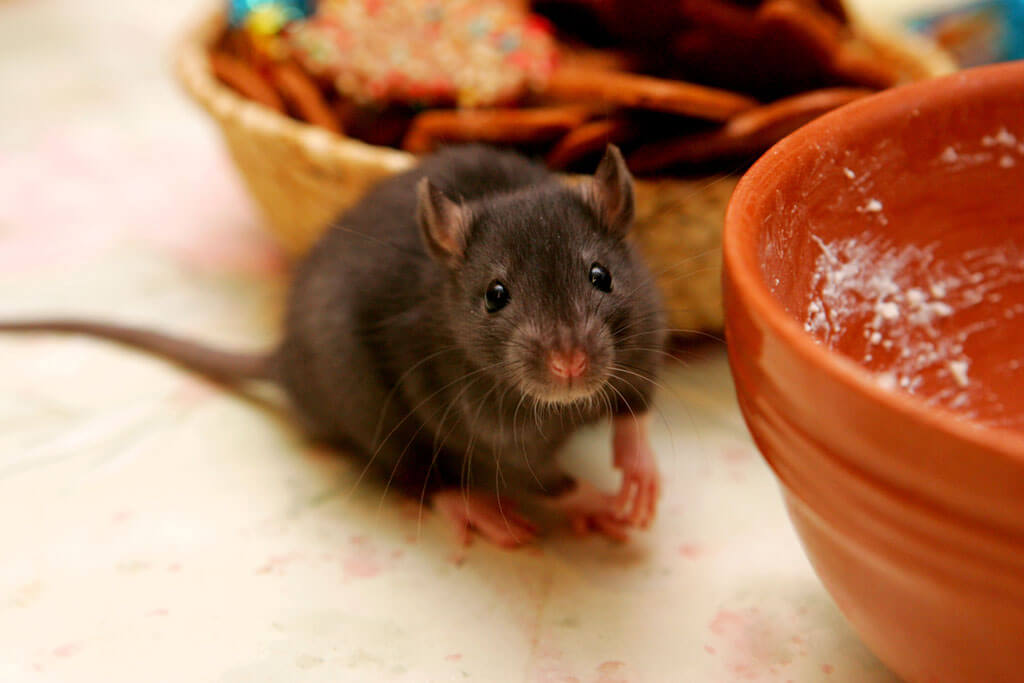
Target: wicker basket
303,176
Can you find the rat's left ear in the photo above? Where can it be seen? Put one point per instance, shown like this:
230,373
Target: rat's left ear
444,224
610,192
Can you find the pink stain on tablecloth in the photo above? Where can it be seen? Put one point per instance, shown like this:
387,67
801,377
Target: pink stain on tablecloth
549,665
726,621
67,650
121,516
364,558
690,551
737,455
275,564
83,191
361,567
751,643
454,657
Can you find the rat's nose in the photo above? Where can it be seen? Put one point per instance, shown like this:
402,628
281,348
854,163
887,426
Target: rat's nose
568,365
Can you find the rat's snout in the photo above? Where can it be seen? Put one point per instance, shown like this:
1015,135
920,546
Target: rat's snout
568,365
562,363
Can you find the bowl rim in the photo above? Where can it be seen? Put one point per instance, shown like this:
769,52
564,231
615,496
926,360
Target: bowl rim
742,266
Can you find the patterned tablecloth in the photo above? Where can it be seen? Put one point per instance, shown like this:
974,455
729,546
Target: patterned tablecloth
153,528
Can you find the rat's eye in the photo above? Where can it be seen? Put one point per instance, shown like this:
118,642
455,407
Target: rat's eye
600,277
496,297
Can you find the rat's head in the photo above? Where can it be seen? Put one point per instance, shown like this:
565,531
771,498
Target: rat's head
543,288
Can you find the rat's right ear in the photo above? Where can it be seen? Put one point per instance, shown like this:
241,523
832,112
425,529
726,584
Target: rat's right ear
610,192
443,223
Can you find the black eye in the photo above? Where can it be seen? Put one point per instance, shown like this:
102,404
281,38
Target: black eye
600,277
496,297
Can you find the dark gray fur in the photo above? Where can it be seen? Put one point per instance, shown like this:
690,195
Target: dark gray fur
388,350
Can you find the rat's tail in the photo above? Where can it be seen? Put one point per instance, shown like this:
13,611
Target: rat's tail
220,366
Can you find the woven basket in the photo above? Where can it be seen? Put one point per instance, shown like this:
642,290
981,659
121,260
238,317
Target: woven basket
303,176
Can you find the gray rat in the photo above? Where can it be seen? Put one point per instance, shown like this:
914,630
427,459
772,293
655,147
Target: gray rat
455,327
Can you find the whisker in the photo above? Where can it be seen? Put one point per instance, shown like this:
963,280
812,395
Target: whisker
380,447
439,447
398,383
371,238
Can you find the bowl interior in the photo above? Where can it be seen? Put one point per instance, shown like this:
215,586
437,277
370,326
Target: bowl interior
895,236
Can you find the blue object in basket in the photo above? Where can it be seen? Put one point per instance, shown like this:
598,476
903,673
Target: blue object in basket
241,11
976,33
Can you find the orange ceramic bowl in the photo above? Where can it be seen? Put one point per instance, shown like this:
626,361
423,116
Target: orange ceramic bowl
874,291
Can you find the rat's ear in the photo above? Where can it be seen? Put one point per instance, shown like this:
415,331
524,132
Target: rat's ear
443,223
610,192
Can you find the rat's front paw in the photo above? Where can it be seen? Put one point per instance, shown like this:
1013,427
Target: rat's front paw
637,500
591,511
495,520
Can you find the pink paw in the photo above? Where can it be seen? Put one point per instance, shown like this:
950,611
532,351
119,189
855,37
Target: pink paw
637,500
496,520
591,511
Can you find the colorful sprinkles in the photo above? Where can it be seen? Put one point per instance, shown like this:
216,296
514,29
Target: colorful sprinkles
470,53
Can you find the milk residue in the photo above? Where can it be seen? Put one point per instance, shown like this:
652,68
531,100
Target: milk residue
902,298
1001,146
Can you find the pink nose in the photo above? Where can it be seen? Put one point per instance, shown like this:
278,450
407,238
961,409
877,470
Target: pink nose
568,365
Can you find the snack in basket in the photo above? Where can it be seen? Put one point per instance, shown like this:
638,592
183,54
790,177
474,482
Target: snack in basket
246,80
499,126
303,96
745,133
467,53
680,86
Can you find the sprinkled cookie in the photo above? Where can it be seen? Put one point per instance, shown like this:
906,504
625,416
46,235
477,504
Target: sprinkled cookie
470,53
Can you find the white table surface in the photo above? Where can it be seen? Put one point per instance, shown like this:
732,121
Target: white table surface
153,528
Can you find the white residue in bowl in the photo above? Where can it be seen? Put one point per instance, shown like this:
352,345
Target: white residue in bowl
902,298
999,146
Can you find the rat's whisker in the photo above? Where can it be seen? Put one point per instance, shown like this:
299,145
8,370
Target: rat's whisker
398,383
438,447
625,403
665,421
398,247
423,423
415,409
468,459
676,330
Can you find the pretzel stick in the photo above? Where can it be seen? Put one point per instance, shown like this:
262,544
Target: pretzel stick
304,97
646,92
749,133
587,139
817,32
737,22
571,56
821,33
237,74
508,126
870,70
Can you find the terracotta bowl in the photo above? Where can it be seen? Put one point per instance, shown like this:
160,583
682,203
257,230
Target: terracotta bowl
874,292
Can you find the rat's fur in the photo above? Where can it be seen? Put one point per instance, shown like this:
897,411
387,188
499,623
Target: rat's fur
388,349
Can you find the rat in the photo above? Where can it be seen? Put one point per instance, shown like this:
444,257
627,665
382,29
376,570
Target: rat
455,327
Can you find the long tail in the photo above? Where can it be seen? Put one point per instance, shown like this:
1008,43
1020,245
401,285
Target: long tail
220,366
